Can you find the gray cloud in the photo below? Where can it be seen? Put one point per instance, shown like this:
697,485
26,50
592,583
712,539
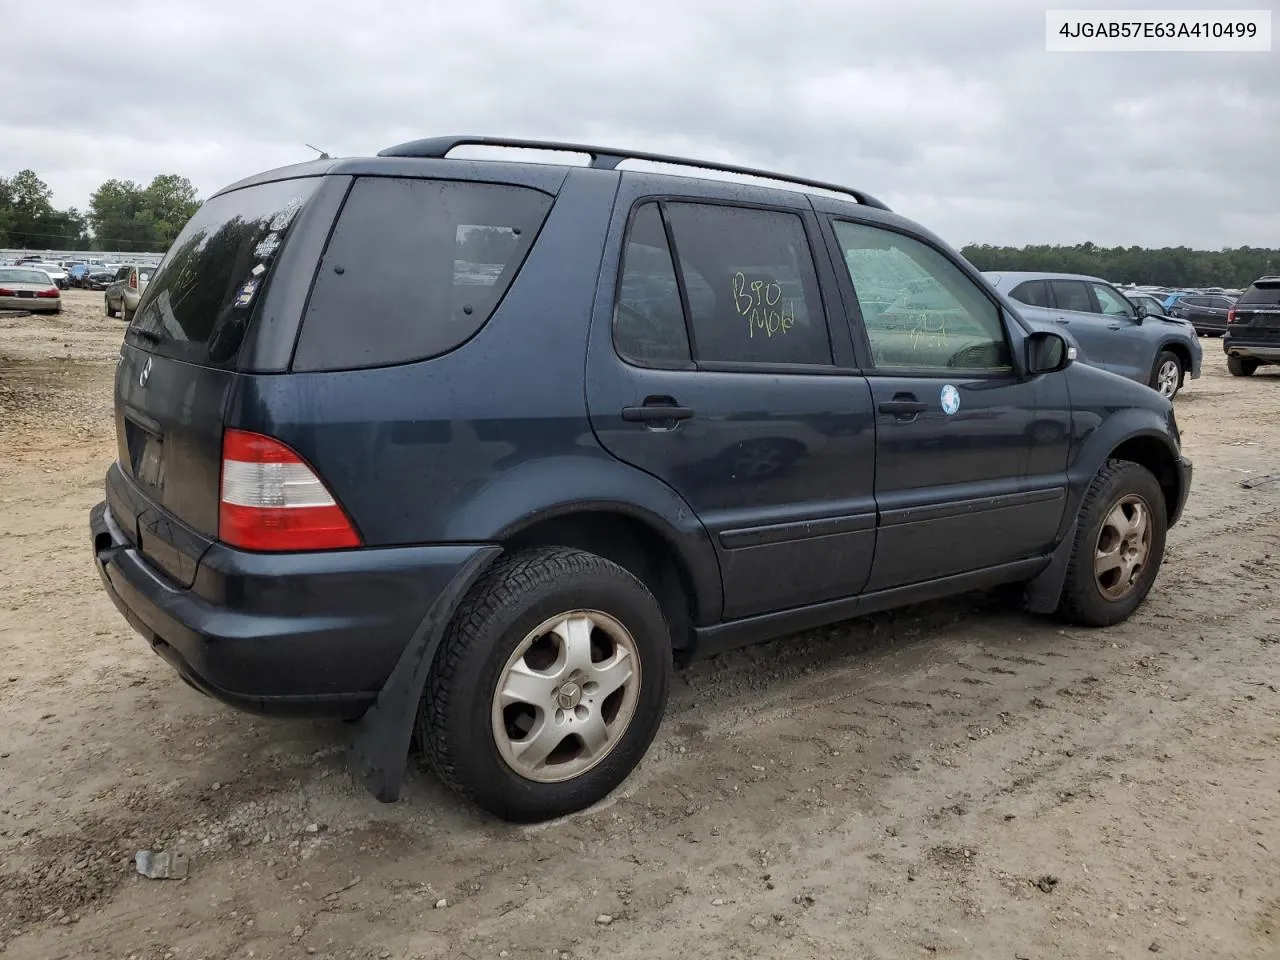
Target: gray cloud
952,113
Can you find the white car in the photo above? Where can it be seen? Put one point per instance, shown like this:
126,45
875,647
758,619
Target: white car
55,272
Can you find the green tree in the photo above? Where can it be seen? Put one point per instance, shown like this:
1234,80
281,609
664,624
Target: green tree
116,213
168,203
28,218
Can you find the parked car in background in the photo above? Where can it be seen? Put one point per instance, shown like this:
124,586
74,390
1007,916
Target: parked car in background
77,274
99,279
126,289
26,288
393,520
1207,312
1252,338
1110,331
1152,304
55,272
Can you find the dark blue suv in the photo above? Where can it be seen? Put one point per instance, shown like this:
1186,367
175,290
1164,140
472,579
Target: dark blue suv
474,451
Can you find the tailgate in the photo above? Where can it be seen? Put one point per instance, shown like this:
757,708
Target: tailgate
164,494
178,366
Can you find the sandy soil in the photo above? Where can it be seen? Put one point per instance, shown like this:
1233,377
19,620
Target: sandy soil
951,781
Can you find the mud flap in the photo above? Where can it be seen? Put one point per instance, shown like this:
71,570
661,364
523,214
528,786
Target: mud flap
1044,593
378,752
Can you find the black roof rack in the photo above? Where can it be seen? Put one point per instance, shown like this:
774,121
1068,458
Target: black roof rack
608,158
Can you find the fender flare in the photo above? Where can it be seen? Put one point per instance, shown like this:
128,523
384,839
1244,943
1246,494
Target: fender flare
378,750
537,490
1132,423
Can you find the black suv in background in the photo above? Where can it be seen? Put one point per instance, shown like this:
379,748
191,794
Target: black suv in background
1206,312
1253,328
478,449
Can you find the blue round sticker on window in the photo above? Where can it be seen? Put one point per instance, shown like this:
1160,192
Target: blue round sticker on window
950,400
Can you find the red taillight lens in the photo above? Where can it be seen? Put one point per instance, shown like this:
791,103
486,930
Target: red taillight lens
6,292
272,500
1231,315
50,294
133,281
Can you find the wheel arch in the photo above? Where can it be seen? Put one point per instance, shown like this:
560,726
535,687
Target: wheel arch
1154,453
1179,350
634,540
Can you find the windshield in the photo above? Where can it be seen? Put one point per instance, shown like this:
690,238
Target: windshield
24,276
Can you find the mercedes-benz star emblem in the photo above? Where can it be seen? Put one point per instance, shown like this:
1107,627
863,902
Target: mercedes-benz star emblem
145,374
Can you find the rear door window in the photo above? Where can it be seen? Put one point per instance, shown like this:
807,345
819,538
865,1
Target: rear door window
1033,293
751,285
648,318
1071,295
414,268
198,303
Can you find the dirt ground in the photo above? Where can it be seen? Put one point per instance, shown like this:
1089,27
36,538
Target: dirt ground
952,781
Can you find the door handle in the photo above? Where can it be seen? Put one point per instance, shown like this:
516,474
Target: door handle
1062,320
904,406
656,409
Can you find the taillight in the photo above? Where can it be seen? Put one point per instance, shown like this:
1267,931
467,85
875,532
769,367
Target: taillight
272,500
6,292
133,281
50,294
1231,315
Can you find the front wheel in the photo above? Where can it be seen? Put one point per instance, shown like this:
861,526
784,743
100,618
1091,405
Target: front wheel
1118,548
549,685
1166,376
1242,366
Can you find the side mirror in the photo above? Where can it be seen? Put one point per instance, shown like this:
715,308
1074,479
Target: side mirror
1142,312
1048,352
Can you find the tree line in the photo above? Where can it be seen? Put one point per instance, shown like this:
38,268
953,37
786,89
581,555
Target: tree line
1165,267
123,215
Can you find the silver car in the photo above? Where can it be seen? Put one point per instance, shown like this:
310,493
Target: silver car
26,288
124,292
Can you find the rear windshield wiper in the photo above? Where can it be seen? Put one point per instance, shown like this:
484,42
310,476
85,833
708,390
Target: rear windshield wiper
149,335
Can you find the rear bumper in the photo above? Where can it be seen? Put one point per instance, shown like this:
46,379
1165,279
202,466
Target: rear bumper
294,634
1267,350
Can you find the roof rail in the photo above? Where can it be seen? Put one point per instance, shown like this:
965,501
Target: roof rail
608,158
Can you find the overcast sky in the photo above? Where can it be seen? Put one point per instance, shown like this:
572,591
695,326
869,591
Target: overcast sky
952,112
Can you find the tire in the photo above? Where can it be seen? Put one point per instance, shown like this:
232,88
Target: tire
106,302
1242,366
125,315
1166,375
1084,600
460,722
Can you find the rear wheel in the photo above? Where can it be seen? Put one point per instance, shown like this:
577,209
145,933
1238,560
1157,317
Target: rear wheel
1118,548
549,685
1242,366
1166,376
106,303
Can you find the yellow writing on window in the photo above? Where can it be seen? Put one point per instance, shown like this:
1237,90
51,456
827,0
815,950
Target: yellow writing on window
762,305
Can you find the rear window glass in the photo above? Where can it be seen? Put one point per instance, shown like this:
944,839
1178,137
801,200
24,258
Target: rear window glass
1265,293
197,304
414,268
24,276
